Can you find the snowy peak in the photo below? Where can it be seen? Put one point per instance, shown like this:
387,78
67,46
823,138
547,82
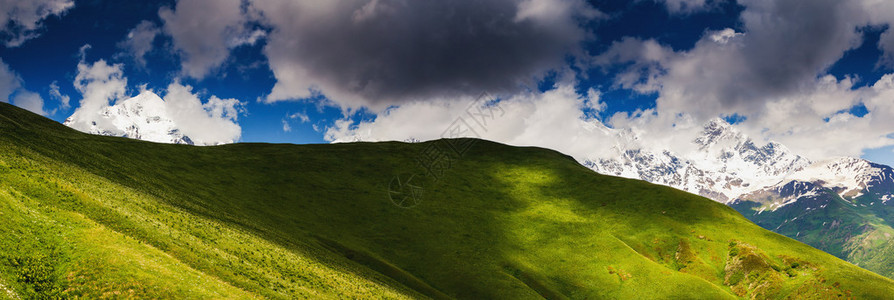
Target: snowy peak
784,193
719,133
797,188
144,117
807,195
720,142
726,164
849,177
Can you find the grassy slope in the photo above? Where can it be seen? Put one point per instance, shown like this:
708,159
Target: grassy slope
857,230
872,249
259,220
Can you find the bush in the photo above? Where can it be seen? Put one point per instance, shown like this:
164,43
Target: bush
733,252
37,275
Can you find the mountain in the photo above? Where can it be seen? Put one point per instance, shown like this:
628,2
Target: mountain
143,117
838,205
727,164
850,177
83,218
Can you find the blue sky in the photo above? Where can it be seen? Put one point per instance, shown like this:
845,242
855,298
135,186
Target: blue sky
811,77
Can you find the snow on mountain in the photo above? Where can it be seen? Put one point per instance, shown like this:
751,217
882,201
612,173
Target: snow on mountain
783,194
848,177
144,117
738,154
726,164
839,205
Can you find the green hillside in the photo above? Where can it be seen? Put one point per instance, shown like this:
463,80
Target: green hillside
858,230
95,216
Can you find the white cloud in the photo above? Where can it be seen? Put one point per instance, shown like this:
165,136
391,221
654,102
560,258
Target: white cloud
555,119
22,20
593,102
886,45
204,42
880,13
64,100
646,60
30,101
723,36
687,6
139,41
246,38
208,123
550,11
9,82
102,86
99,84
815,122
300,116
552,119
12,91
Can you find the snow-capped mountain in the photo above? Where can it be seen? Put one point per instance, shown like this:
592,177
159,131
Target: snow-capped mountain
788,192
727,164
850,177
143,117
839,205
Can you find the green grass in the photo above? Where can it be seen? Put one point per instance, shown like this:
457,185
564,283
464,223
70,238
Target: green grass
857,230
96,216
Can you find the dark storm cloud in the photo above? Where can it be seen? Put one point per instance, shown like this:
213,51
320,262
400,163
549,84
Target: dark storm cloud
773,69
788,43
781,50
379,53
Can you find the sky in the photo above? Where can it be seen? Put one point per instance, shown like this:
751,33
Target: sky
584,77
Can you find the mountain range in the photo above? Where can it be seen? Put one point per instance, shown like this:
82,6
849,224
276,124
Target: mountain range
88,216
839,205
726,164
